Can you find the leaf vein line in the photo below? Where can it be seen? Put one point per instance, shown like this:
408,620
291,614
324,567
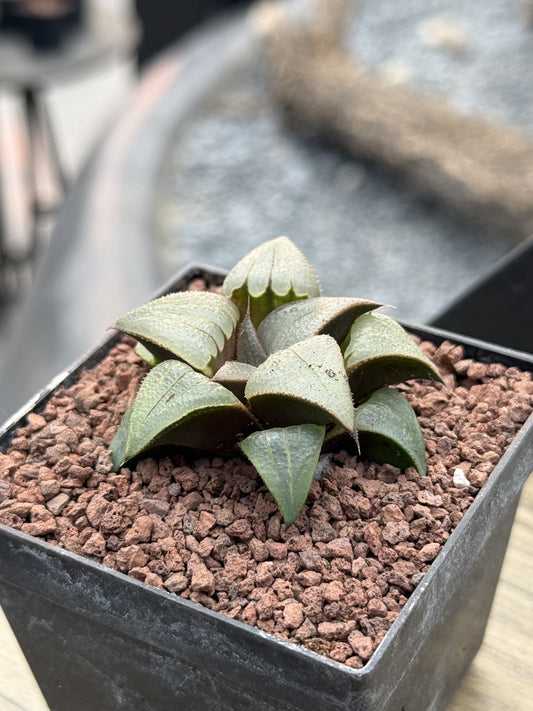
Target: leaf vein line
325,383
179,396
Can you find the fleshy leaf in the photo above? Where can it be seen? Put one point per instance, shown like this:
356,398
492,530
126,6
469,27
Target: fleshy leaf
120,440
146,355
270,275
177,405
199,327
299,320
378,351
286,458
389,431
305,383
249,348
234,375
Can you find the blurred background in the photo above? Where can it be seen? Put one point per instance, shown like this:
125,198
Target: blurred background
137,137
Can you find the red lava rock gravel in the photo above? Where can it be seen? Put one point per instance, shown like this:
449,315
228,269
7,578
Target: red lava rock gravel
208,530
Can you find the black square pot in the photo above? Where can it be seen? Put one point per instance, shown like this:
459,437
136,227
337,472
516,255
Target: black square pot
499,306
98,640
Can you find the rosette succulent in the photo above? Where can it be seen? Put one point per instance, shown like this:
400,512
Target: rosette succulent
270,367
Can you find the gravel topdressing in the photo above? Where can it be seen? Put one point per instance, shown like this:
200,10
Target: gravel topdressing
208,530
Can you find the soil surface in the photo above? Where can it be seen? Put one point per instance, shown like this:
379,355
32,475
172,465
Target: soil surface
209,531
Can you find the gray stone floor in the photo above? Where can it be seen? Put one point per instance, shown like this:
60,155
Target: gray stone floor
236,174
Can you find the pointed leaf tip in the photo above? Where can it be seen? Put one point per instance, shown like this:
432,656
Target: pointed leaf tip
286,459
389,431
177,405
298,320
378,351
304,383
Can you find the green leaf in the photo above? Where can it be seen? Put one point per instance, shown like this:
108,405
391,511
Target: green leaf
298,320
199,327
234,375
378,351
177,405
305,383
120,440
249,348
270,275
146,355
286,458
389,431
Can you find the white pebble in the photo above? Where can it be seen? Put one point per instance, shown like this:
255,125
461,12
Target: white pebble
459,479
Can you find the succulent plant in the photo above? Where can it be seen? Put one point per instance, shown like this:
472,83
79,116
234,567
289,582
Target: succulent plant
273,369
